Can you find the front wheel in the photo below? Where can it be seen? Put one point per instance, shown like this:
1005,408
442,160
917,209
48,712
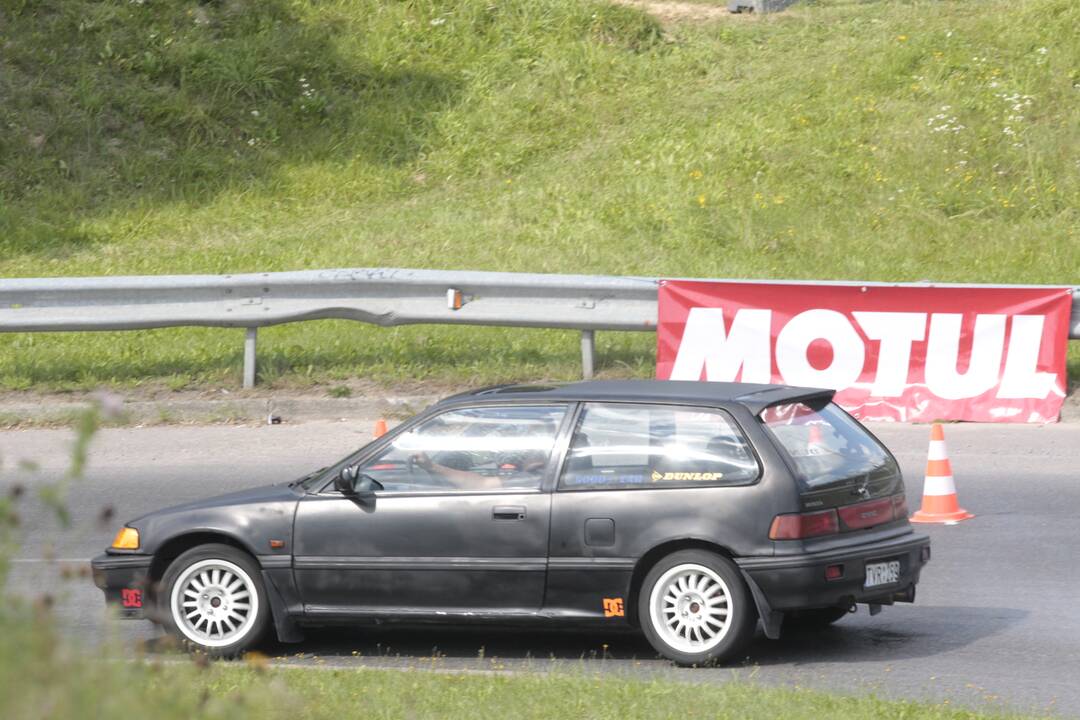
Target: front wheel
695,608
215,600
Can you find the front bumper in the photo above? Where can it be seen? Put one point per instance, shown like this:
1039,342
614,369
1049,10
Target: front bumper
124,579
797,582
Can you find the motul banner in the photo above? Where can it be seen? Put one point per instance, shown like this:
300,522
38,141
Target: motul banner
892,353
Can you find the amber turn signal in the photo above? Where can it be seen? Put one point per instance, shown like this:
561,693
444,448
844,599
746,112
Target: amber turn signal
126,539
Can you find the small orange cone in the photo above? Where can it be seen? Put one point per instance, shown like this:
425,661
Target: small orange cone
380,428
815,445
939,504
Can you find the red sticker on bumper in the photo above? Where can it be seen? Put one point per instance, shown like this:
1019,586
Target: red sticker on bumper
130,598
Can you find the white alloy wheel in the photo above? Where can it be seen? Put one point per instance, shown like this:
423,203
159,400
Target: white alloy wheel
690,608
214,603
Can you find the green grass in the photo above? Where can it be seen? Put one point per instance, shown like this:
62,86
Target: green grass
42,678
861,140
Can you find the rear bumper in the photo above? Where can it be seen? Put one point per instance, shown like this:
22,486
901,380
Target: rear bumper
123,578
797,582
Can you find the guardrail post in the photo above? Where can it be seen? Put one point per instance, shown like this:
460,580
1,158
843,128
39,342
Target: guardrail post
250,335
588,350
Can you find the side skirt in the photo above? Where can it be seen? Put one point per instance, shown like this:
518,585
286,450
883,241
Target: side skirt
321,615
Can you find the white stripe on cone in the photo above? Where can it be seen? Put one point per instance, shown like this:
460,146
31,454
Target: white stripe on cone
937,450
939,485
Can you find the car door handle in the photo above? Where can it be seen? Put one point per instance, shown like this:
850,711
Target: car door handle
508,512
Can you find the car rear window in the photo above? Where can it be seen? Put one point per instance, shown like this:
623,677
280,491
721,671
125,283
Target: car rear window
617,445
827,445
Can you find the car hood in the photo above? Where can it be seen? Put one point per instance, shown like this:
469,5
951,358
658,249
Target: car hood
252,518
268,494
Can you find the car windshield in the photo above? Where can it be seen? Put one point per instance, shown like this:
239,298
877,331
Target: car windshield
826,444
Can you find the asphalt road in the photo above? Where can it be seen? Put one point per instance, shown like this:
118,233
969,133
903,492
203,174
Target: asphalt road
996,623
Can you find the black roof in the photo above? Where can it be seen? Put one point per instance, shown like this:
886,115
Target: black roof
755,397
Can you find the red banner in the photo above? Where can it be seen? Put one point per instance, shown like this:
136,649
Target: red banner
892,353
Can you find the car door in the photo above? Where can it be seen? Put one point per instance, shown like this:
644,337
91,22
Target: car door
637,475
460,523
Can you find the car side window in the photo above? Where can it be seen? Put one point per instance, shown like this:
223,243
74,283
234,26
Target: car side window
624,446
483,448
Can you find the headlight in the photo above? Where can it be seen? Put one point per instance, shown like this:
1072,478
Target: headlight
126,539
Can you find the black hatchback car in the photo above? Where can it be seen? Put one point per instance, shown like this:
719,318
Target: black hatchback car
688,510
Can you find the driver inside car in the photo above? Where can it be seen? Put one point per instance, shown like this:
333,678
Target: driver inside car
529,466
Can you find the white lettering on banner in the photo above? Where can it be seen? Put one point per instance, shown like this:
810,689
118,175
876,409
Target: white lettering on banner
943,349
896,331
1021,378
794,339
707,346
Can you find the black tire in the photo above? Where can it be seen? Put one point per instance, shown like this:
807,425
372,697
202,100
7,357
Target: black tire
188,569
729,640
810,620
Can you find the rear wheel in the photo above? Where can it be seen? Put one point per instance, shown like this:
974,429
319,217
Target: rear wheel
695,608
214,600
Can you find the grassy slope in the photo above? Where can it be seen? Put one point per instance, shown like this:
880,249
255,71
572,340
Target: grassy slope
875,140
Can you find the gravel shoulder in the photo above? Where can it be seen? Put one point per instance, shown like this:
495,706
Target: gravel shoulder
365,403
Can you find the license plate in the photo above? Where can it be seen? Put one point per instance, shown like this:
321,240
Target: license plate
882,573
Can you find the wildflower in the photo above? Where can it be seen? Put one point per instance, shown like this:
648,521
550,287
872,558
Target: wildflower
696,174
902,38
701,200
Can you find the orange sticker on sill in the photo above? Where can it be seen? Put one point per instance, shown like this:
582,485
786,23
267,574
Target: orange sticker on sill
613,607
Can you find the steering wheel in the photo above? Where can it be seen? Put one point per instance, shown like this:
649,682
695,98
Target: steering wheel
433,478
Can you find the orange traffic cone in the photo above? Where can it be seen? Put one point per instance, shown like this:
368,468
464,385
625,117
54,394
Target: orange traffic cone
815,444
939,503
380,428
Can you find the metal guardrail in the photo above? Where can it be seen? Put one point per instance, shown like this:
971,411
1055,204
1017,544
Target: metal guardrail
385,297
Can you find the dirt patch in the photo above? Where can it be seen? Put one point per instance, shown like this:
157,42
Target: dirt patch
365,404
673,12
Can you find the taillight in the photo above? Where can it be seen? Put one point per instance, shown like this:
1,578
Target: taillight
805,525
828,522
867,514
899,507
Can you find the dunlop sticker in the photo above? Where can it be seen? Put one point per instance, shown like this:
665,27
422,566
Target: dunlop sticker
676,476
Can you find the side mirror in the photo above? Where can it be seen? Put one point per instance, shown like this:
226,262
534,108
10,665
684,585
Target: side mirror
350,481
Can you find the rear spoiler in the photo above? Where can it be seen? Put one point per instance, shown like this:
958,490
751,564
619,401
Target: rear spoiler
783,395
